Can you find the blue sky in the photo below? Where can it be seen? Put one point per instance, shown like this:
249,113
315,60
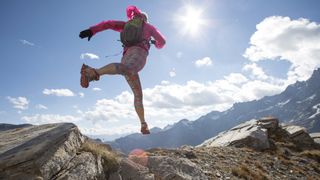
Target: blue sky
242,50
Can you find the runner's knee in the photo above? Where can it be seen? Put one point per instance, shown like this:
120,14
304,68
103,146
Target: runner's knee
120,68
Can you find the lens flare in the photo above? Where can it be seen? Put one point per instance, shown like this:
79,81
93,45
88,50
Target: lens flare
139,156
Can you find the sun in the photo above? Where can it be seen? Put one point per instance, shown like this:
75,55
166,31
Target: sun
190,20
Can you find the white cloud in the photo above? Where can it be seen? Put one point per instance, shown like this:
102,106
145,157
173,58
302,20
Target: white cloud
236,78
281,38
40,106
19,102
81,94
25,42
203,62
98,129
256,71
96,89
165,82
112,110
58,92
172,73
89,56
49,118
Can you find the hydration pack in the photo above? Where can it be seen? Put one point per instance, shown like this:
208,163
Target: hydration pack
132,33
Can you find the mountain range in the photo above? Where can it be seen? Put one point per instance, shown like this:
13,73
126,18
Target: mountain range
298,104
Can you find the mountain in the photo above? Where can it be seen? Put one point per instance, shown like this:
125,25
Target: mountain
299,105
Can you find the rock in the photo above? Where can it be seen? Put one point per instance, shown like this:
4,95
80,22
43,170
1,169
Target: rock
38,150
5,127
51,151
78,168
249,134
298,134
179,169
271,123
315,137
131,170
294,131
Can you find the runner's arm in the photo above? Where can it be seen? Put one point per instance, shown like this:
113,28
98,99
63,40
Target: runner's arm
110,24
158,37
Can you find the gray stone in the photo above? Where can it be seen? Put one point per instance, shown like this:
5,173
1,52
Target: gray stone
298,134
84,166
131,170
179,169
249,134
271,123
38,151
315,137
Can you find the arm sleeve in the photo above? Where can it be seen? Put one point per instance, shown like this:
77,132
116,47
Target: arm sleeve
158,37
110,24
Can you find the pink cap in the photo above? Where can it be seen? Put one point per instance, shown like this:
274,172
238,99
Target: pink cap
132,11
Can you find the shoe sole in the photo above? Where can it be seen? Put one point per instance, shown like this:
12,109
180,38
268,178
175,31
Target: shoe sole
84,82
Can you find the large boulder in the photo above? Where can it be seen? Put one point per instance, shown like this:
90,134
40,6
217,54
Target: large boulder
253,134
298,134
51,151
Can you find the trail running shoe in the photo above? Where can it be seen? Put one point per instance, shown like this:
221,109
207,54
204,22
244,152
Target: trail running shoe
144,128
86,71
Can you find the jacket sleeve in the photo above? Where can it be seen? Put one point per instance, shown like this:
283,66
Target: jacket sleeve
110,24
158,37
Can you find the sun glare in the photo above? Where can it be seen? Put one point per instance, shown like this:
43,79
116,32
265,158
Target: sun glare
190,20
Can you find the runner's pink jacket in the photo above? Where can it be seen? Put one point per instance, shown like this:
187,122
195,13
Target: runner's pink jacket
148,29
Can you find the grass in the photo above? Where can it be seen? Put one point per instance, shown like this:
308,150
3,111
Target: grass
110,160
313,154
244,172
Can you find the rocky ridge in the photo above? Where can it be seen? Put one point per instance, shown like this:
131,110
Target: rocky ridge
60,151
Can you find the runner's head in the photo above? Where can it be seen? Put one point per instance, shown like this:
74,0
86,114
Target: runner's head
133,11
142,15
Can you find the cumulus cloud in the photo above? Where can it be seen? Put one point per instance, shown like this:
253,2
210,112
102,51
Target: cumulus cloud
236,78
256,71
169,102
49,118
58,92
172,73
203,62
99,129
25,42
293,40
112,110
19,102
96,89
40,106
89,56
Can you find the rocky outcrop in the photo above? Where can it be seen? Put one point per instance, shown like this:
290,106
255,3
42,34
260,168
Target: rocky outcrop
38,151
52,151
258,134
60,151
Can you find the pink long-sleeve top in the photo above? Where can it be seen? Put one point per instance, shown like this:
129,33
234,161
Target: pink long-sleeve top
148,32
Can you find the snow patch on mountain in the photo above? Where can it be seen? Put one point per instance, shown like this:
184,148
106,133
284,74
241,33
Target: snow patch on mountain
280,104
317,108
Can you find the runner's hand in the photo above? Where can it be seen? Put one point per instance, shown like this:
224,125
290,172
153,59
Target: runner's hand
86,33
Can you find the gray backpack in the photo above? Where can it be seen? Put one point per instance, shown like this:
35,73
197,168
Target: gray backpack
132,33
